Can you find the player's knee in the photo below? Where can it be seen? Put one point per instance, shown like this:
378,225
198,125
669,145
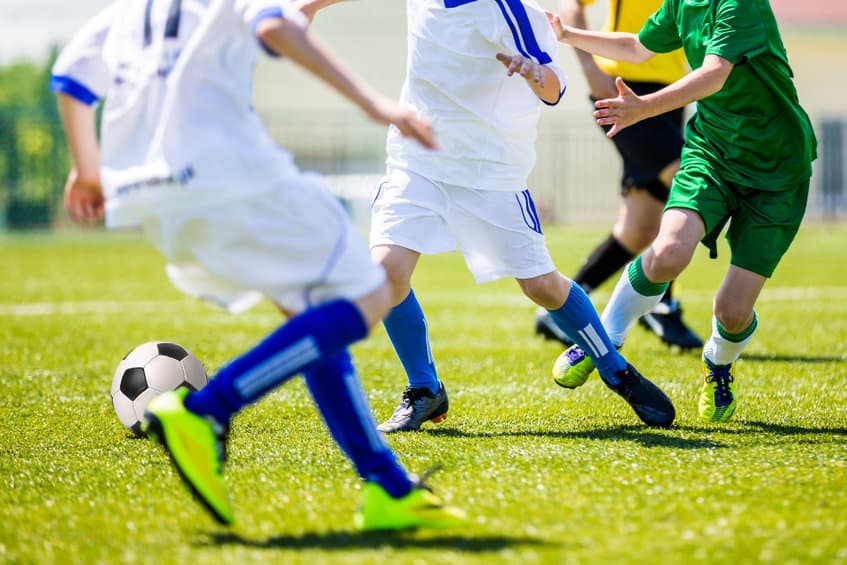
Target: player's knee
669,259
733,317
546,290
375,305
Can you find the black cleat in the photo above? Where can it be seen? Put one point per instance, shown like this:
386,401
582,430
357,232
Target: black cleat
650,403
547,328
416,407
665,320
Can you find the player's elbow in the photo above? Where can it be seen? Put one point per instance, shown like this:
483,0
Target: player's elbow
641,54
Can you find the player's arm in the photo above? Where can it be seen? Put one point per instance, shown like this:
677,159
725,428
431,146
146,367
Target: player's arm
311,7
629,108
83,191
540,78
601,85
618,45
286,37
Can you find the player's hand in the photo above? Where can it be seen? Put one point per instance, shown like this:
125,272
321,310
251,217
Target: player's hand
84,198
410,125
527,68
624,110
556,24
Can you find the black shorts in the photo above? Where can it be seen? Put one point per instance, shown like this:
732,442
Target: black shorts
649,146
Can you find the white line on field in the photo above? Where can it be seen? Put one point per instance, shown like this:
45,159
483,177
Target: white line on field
835,297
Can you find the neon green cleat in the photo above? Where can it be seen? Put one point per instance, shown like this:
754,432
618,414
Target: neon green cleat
196,447
572,368
717,397
419,509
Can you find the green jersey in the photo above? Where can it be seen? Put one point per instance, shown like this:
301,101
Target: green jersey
753,130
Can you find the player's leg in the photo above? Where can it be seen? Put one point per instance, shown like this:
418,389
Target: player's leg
391,498
762,229
407,220
573,312
425,397
642,284
733,325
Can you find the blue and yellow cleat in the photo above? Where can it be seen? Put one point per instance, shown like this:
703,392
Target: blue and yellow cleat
572,368
196,447
717,397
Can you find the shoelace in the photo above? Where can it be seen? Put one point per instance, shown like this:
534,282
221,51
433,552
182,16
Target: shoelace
420,481
413,394
575,355
721,375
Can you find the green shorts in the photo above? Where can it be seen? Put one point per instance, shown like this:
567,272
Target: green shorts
763,222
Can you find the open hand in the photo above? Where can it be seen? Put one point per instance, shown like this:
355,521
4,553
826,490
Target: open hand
556,24
620,112
410,125
527,68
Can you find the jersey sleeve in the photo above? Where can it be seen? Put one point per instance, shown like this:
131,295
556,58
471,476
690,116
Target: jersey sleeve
529,33
80,70
739,33
660,33
253,12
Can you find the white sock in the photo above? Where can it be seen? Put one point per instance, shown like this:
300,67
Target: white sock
721,350
625,306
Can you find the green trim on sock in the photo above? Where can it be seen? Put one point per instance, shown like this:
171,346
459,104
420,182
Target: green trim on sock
739,337
641,283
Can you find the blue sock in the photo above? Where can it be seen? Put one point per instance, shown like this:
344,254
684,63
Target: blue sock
294,347
579,320
338,394
407,330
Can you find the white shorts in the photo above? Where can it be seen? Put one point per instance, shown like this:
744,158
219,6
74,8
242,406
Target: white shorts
294,245
498,233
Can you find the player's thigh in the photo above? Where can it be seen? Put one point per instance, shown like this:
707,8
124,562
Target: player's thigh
764,226
499,234
409,211
696,188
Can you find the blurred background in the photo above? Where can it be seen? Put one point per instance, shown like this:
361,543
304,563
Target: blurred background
577,173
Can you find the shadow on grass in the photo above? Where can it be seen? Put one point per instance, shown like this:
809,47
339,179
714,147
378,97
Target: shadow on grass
795,358
371,540
639,434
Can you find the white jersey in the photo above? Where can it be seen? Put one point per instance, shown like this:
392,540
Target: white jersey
484,120
178,127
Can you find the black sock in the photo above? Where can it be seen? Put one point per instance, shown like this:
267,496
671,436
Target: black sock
606,260
668,296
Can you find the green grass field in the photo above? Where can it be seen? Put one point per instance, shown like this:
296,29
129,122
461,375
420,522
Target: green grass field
547,475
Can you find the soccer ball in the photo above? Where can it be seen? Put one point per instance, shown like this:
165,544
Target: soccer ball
149,370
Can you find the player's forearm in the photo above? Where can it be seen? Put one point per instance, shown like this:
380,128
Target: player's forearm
289,39
551,91
80,127
311,7
617,45
696,85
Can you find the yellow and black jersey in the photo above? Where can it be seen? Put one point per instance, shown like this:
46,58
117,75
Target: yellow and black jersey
630,15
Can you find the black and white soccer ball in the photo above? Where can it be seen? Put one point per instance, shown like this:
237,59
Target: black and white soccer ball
149,370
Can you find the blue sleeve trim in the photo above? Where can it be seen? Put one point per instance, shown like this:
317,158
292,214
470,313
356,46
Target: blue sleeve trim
73,88
529,48
456,3
562,93
274,12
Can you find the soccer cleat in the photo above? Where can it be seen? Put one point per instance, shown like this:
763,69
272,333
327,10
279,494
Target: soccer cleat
416,407
665,320
420,508
196,446
547,328
717,397
650,403
572,367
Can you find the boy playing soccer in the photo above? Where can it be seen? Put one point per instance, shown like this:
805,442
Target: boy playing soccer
747,157
185,157
472,192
